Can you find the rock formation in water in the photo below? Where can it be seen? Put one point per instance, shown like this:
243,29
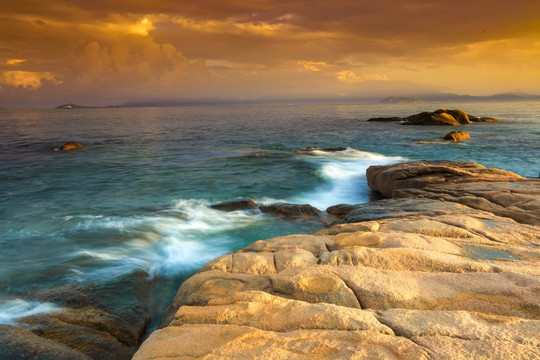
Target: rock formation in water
70,146
95,321
457,136
446,268
437,117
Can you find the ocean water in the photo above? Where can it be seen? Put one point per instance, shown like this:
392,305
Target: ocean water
136,196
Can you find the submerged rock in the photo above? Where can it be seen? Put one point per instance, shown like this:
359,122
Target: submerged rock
316,148
386,119
290,210
70,146
486,119
234,205
457,136
17,343
97,321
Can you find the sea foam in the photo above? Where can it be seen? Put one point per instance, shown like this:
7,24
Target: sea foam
12,309
178,239
344,176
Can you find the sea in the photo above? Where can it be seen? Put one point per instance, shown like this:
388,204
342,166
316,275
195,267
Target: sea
137,196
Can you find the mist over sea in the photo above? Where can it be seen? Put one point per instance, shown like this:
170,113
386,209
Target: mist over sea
136,196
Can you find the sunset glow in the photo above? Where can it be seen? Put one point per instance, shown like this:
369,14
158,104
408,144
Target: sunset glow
101,53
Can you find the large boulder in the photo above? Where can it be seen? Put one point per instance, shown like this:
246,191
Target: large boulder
430,118
461,116
499,192
457,136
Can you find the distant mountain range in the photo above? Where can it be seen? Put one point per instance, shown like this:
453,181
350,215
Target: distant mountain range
449,97
347,99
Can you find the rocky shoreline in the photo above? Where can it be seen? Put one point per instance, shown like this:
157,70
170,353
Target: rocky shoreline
446,267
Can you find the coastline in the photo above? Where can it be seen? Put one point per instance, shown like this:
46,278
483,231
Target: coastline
445,267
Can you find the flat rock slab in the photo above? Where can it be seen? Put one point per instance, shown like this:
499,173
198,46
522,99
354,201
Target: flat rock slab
402,278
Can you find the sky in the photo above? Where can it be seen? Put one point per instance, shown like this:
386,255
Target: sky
104,52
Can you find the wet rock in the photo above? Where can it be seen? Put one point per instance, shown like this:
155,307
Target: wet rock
234,205
339,210
99,320
17,343
386,119
486,119
457,136
290,210
71,146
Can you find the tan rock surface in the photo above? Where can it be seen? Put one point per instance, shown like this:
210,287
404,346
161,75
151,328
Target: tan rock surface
418,279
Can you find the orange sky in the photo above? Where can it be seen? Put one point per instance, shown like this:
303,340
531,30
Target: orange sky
108,52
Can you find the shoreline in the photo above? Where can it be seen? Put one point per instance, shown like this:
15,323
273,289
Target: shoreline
445,267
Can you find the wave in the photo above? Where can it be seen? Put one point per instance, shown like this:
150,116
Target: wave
344,176
175,240
12,309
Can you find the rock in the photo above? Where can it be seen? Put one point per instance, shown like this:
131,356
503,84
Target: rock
429,118
339,210
386,179
70,146
468,184
316,148
431,278
386,119
311,149
99,320
290,210
486,119
461,116
17,343
457,136
234,205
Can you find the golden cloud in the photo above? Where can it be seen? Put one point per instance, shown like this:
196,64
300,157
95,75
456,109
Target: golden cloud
314,66
15,61
348,76
27,79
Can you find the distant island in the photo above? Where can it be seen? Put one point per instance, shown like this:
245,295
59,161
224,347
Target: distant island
450,97
434,97
400,100
75,106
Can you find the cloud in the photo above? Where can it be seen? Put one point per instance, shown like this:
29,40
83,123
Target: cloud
315,66
348,76
125,49
27,79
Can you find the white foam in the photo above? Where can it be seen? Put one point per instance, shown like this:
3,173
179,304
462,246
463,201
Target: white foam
13,309
344,176
181,238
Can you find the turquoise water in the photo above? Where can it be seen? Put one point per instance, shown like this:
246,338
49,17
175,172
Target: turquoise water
136,196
